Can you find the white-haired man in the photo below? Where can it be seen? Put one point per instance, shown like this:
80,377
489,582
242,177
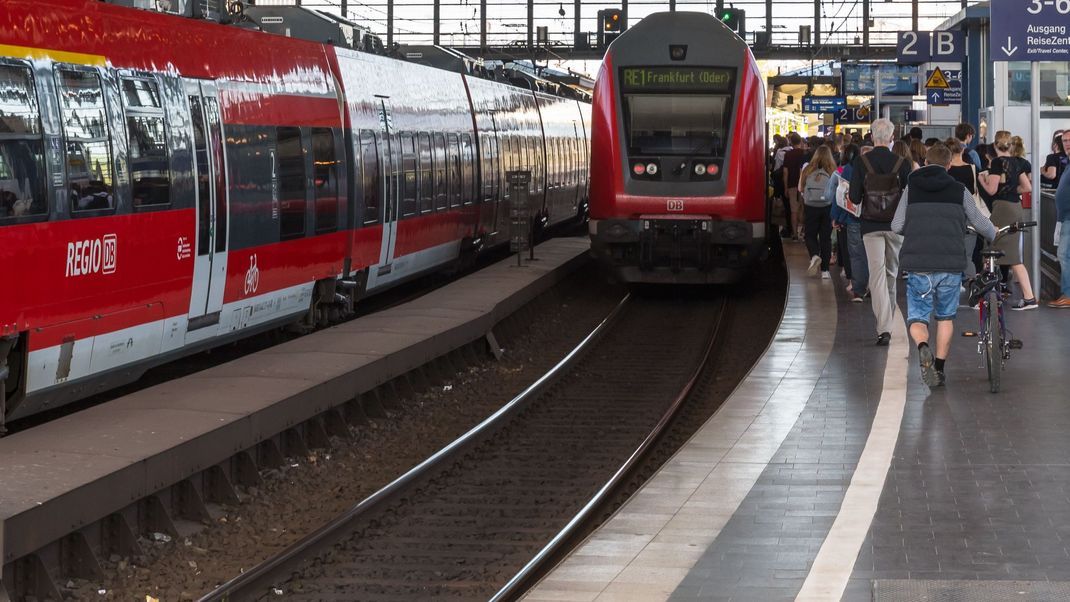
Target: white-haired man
878,179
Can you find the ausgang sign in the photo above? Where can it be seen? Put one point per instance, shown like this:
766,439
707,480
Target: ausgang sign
1030,30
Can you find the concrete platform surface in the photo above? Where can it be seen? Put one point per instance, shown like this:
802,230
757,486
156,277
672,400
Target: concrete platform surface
833,473
68,473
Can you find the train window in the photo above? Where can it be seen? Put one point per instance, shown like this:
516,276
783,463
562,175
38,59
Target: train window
291,172
369,163
426,184
467,163
22,161
408,174
141,94
325,168
676,124
454,151
440,172
150,172
85,125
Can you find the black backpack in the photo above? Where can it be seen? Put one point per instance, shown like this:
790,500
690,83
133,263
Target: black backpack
882,193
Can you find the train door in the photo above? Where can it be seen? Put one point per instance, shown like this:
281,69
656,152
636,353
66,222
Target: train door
210,264
391,153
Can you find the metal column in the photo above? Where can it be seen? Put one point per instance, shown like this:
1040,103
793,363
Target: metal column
1036,278
623,15
865,24
531,24
345,9
769,20
817,26
914,15
437,31
483,24
577,35
389,25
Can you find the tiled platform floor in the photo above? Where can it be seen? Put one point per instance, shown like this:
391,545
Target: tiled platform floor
956,484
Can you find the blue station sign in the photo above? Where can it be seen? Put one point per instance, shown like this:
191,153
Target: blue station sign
1030,30
823,104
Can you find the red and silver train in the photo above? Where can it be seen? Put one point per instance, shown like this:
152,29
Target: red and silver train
168,184
678,189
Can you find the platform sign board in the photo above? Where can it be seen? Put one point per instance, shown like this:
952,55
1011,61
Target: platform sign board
823,104
860,79
917,47
943,87
1030,30
852,115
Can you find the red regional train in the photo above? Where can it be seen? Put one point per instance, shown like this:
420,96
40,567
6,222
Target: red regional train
169,183
678,188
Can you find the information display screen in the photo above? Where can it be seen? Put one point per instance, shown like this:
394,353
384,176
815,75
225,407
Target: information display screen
677,79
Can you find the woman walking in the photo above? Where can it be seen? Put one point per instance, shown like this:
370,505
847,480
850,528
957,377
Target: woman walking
813,184
1006,179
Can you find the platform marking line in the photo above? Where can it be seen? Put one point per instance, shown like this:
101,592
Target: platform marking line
835,561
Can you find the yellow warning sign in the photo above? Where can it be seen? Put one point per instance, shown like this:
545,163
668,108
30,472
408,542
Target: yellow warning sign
937,80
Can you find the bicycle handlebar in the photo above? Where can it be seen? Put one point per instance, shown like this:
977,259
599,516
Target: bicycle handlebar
1008,229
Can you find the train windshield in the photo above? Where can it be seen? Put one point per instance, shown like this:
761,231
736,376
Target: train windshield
677,124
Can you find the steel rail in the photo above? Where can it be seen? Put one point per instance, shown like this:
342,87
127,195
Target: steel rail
526,577
257,581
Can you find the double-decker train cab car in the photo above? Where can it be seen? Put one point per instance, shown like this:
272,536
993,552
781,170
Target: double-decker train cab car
677,153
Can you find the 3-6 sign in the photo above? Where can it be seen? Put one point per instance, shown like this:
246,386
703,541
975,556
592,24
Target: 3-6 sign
917,47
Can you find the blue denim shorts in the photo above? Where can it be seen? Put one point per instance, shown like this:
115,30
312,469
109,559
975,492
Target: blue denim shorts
929,291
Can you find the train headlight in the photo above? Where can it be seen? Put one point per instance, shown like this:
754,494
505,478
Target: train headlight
713,169
639,169
700,169
651,169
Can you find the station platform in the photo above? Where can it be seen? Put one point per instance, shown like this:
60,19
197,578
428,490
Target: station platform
834,473
88,485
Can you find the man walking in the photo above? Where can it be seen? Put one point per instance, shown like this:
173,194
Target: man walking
1062,208
931,216
877,180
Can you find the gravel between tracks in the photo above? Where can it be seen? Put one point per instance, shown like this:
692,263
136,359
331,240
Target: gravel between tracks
310,491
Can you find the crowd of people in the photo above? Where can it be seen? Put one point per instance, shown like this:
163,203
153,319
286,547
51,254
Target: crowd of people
883,209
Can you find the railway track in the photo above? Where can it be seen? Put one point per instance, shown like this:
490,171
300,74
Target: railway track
477,520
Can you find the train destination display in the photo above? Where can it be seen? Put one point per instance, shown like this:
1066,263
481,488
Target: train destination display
676,79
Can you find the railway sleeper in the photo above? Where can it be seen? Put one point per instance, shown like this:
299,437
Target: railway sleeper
180,510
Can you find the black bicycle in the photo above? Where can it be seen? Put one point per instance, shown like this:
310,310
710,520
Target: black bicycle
989,290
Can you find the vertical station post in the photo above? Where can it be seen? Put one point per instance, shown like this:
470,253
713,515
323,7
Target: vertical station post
345,9
436,35
1038,153
769,20
865,24
389,25
623,15
483,24
817,26
672,6
531,24
577,34
914,15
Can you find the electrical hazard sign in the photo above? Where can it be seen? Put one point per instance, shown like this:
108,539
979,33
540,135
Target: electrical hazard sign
937,80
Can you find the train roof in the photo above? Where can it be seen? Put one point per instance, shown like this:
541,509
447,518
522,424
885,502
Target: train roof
677,27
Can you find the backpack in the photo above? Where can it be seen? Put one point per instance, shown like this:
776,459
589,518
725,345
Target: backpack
814,189
882,193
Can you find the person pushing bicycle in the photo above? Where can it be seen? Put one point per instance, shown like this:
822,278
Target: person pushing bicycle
932,217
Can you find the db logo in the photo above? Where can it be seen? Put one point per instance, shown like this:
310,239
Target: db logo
95,256
252,276
675,205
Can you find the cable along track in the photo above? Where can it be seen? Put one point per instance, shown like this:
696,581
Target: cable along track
476,520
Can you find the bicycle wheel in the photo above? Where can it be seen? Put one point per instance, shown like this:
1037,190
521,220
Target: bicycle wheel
994,344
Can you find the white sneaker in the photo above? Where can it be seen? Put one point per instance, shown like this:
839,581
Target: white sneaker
815,265
826,276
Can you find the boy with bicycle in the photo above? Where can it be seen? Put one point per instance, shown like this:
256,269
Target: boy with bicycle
932,217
